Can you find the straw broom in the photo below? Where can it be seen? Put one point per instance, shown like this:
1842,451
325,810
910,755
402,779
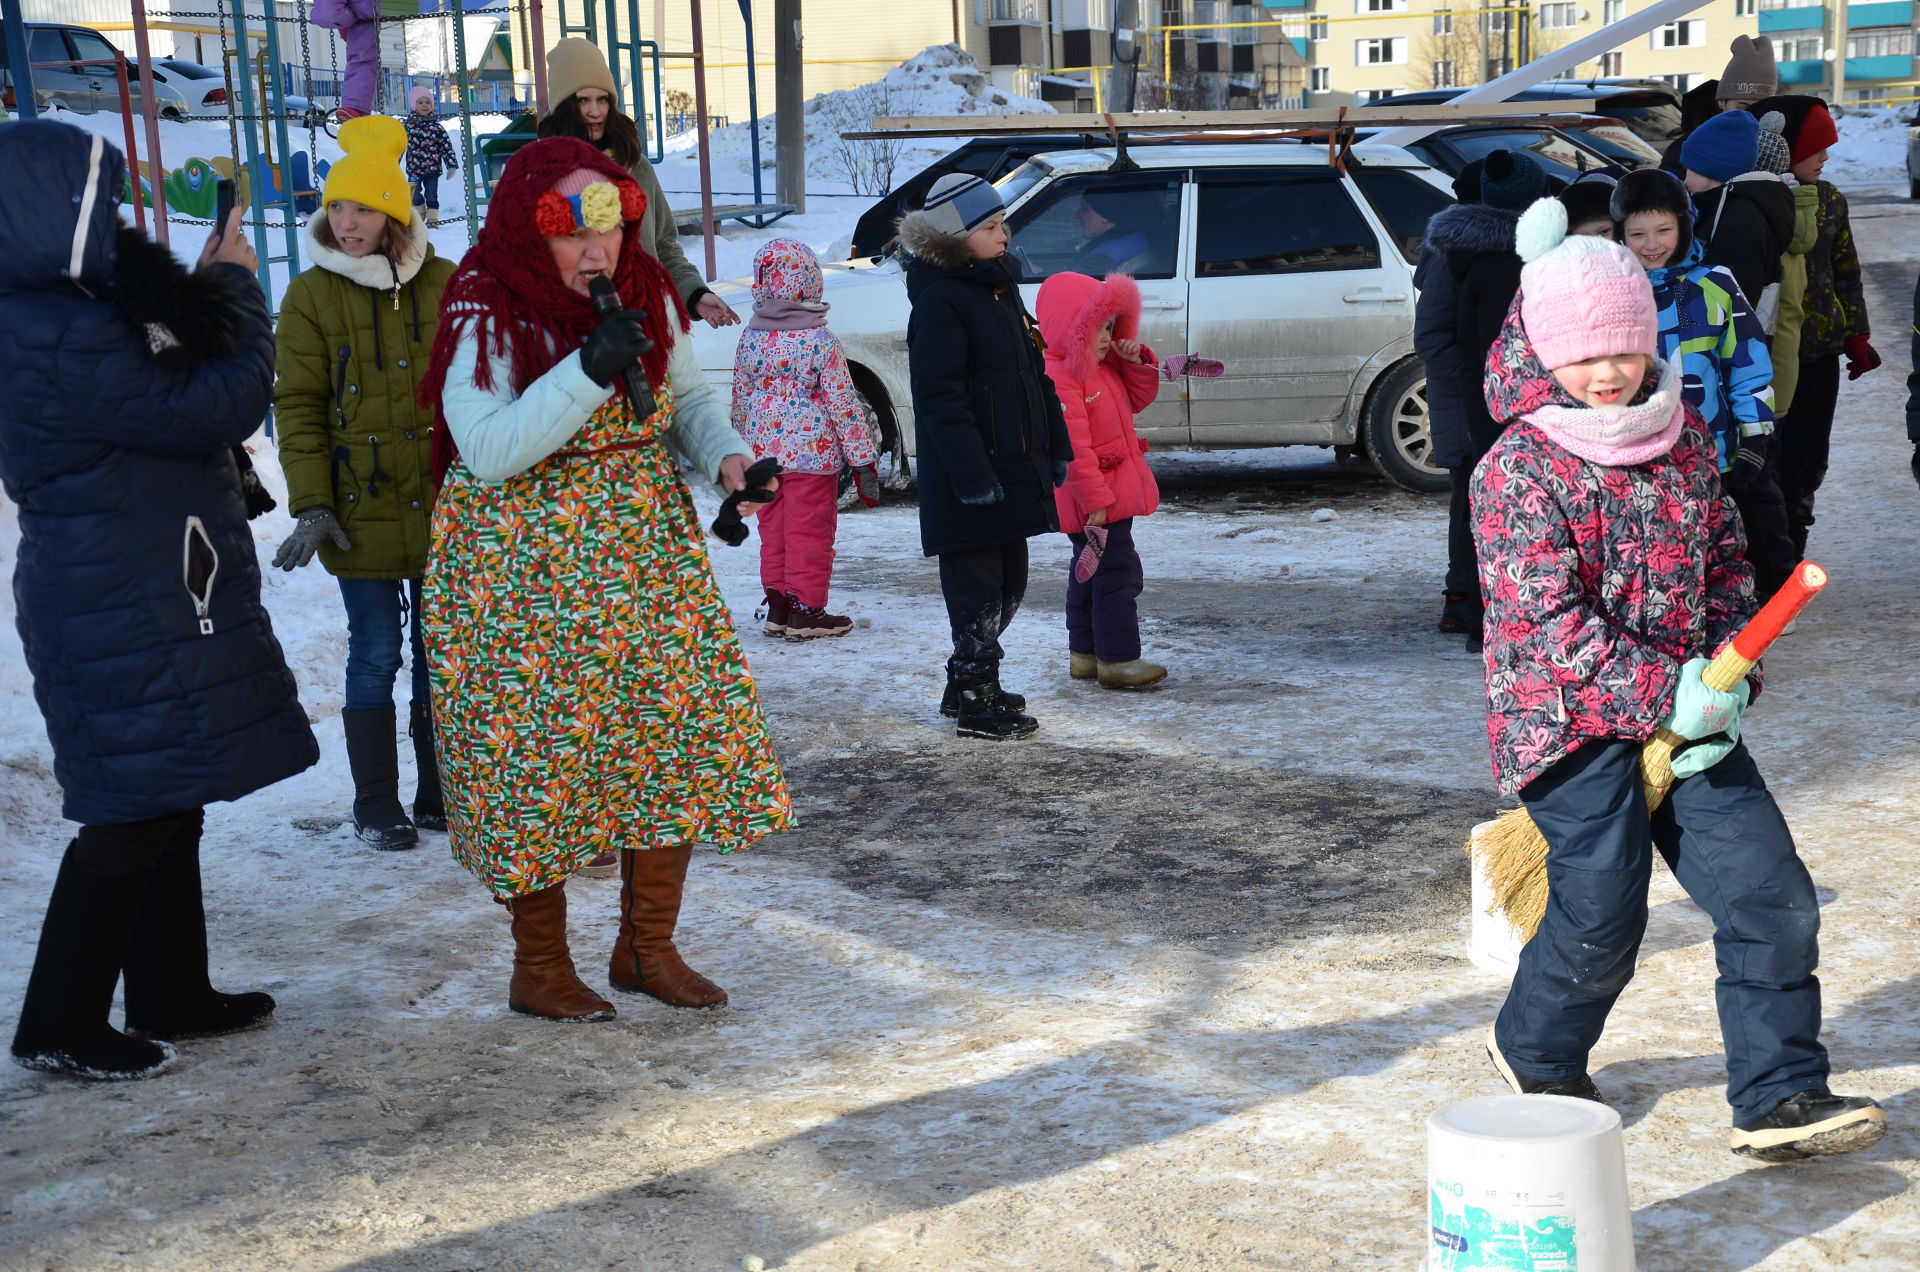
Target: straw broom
1513,853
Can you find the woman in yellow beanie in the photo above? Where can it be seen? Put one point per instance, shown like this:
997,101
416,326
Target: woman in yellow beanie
583,105
356,333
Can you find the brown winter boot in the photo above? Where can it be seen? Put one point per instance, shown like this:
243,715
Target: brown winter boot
644,959
544,982
1135,673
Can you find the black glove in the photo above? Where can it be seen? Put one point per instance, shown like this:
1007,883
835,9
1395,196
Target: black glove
613,347
1059,473
1749,461
259,501
984,498
312,526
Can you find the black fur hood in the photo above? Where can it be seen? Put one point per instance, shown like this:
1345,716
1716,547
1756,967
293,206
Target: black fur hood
1472,227
187,315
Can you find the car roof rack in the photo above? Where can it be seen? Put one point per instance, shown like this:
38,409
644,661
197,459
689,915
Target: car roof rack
1337,126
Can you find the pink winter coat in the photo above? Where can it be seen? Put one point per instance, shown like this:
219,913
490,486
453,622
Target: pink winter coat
1109,466
793,399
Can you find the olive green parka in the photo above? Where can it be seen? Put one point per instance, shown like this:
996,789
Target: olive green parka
354,339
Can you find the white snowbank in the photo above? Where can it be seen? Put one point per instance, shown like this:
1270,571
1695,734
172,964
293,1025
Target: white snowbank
1872,148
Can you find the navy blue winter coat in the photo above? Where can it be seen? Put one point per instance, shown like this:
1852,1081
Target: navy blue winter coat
985,414
1467,278
122,393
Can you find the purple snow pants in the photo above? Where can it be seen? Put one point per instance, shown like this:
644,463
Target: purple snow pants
1102,618
358,22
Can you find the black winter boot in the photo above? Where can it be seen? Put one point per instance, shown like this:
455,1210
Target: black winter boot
429,806
168,994
83,943
1815,1123
950,700
986,713
373,753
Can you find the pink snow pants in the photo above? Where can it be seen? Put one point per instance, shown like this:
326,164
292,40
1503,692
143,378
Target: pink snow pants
796,536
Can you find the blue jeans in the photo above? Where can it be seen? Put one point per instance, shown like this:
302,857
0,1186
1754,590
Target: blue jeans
1730,849
376,609
426,191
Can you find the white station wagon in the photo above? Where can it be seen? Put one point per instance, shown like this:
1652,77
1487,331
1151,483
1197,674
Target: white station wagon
1295,275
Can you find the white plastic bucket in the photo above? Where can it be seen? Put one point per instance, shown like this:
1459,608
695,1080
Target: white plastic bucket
1527,1183
1492,943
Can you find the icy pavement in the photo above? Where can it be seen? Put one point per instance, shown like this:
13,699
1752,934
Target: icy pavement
1172,986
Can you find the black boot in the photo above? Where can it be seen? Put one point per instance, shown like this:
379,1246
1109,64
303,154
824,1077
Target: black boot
429,808
83,943
950,700
373,753
1815,1123
168,994
986,713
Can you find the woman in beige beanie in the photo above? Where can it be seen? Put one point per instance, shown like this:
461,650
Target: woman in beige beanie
582,104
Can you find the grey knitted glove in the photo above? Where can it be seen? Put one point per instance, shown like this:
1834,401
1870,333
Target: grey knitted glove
313,525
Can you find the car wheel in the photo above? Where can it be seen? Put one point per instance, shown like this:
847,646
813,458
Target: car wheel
1913,187
1398,433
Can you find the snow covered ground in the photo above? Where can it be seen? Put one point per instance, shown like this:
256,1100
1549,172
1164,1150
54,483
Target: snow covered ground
1172,986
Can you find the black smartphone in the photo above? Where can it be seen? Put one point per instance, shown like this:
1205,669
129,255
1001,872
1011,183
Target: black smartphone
222,203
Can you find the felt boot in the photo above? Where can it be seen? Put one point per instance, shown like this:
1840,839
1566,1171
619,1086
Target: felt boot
83,943
429,805
1134,673
1082,666
169,996
544,982
644,958
373,755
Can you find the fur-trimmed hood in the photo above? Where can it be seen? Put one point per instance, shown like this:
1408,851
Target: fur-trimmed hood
926,242
375,269
187,315
1472,227
1072,307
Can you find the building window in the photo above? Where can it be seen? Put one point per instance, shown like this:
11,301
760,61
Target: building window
1744,8
1690,34
1013,10
1316,29
1880,42
1320,79
1204,11
1611,11
1366,95
1805,49
1379,6
1780,4
1496,67
1610,63
1495,23
1442,22
1441,73
1386,50
1869,96
1559,17
1681,83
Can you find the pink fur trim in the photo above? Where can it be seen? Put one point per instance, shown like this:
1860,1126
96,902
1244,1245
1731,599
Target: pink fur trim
1091,303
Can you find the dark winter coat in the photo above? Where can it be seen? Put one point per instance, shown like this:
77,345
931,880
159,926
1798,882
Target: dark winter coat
1697,105
1836,302
355,338
985,415
1745,226
1467,278
1600,582
138,590
1913,373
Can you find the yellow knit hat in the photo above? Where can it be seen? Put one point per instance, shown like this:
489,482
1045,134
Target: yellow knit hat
574,64
370,172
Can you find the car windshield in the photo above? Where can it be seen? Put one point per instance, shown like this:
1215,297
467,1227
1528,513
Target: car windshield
1555,152
1021,180
191,70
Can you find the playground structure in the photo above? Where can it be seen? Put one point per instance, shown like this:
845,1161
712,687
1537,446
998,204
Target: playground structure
279,184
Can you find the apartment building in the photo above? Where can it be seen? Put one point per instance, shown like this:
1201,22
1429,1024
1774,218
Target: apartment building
1360,50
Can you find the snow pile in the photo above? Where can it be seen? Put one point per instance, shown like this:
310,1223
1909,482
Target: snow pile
1872,149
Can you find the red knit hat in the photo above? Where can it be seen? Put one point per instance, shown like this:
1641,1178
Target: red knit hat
1817,133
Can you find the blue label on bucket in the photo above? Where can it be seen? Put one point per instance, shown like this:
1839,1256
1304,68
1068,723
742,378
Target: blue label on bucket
1498,1237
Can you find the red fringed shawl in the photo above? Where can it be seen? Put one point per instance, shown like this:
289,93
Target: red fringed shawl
509,295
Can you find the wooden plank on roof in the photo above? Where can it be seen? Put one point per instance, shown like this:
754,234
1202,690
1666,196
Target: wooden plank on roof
1180,121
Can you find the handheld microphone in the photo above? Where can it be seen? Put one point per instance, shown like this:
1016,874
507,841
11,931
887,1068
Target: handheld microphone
606,303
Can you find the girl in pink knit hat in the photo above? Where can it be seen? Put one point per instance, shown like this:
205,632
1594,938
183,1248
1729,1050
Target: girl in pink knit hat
1613,568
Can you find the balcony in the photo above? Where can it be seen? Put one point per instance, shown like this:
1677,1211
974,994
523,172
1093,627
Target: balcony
1806,18
1892,13
1286,4
1004,11
1809,71
1897,66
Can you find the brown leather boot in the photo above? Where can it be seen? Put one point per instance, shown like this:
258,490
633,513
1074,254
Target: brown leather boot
644,959
544,982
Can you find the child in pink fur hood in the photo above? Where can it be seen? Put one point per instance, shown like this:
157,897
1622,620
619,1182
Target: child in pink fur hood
1103,374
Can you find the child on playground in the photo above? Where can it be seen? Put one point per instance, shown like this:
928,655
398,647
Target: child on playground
794,401
1613,568
1103,374
429,153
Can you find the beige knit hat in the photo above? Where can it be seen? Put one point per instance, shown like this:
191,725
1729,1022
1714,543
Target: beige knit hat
574,64
1750,74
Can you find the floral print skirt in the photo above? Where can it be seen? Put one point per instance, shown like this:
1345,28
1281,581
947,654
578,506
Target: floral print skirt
589,691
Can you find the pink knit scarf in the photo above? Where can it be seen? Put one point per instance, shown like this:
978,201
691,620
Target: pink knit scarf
1618,436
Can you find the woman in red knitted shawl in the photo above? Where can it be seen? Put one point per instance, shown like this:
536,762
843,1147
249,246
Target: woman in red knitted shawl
589,692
